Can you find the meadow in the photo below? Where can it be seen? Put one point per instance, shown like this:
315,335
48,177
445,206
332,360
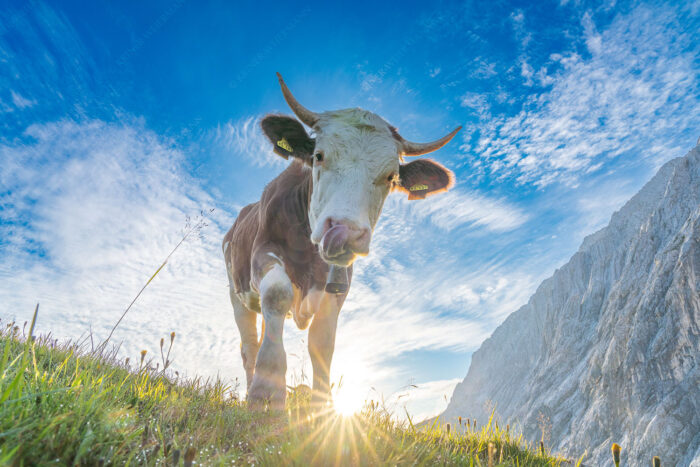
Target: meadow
70,403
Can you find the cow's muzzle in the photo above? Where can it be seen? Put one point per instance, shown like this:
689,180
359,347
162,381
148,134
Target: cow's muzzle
342,241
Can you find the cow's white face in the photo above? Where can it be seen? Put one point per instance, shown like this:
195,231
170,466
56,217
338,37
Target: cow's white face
356,161
355,165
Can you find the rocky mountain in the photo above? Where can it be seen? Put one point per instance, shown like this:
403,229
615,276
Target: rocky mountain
608,349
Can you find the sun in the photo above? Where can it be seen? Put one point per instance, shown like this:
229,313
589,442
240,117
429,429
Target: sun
347,401
350,387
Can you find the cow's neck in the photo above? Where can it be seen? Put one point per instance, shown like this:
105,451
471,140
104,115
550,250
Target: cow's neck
300,196
292,228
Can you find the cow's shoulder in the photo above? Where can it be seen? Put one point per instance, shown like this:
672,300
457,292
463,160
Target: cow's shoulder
246,216
288,191
246,226
284,203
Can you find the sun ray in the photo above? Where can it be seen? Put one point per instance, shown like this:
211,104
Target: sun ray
351,425
367,442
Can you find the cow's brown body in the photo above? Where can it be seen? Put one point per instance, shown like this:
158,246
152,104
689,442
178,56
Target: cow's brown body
273,229
276,224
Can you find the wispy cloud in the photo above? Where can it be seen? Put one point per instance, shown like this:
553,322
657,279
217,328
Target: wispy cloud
597,205
463,208
21,102
423,400
475,101
244,138
89,210
637,87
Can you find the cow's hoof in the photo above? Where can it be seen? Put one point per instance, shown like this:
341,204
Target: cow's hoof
266,394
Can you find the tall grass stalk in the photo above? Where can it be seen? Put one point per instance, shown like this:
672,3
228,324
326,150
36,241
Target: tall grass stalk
190,229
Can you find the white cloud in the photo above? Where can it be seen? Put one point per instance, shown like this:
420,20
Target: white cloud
21,102
488,293
597,206
635,93
477,102
518,17
593,40
422,400
527,72
483,69
523,37
369,80
90,211
457,207
245,138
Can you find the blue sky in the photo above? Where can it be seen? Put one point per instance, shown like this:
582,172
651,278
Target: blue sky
119,119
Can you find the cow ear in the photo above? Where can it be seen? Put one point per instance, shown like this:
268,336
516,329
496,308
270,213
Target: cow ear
288,137
424,177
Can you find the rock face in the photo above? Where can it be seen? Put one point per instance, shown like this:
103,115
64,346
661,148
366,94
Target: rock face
608,349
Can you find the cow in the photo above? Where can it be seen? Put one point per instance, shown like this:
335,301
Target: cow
316,217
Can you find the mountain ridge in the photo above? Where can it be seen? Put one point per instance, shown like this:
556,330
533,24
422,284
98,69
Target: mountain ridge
607,349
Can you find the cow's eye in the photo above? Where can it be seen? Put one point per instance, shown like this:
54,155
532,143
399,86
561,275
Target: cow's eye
319,157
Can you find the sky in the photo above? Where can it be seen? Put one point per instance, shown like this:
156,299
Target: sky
119,120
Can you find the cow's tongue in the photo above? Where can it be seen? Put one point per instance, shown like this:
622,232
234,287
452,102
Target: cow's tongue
334,240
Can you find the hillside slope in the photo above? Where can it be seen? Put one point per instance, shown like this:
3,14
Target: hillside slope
608,348
63,404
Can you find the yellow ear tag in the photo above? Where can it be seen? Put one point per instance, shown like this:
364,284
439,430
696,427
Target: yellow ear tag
418,187
284,145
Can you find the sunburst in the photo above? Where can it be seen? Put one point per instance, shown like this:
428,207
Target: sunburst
348,401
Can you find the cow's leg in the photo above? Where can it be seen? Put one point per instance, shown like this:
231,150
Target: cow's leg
246,321
322,344
276,295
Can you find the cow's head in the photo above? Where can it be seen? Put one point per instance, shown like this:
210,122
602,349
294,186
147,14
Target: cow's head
357,159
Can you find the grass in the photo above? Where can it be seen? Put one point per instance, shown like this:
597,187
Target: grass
63,405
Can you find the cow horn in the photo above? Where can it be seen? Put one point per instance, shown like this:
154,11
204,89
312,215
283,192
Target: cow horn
409,148
304,114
